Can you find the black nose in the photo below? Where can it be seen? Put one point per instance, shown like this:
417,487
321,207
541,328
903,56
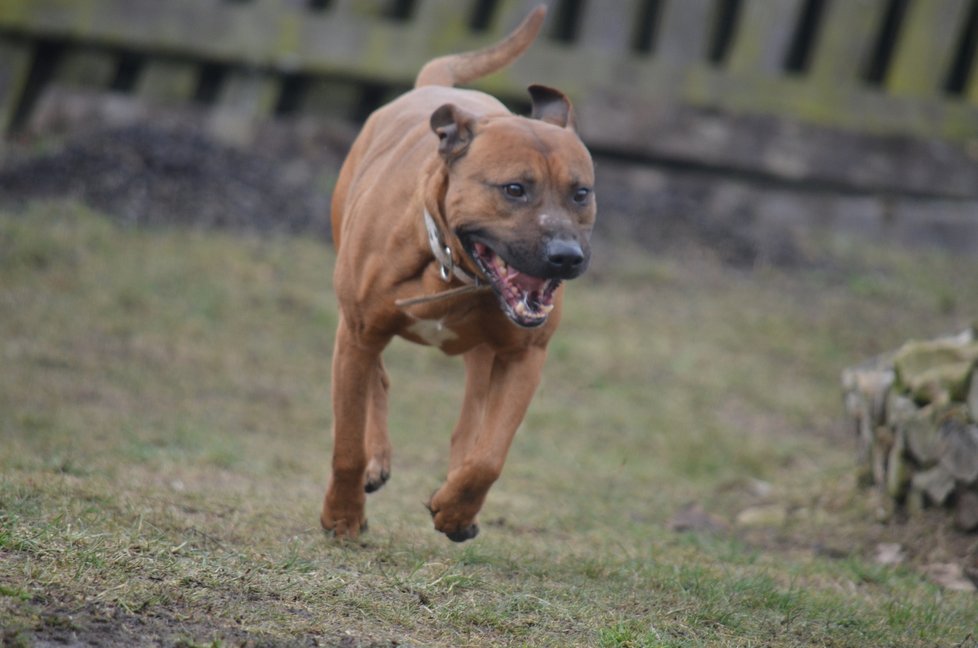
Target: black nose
565,257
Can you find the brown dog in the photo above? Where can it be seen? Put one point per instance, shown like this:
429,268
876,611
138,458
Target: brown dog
455,222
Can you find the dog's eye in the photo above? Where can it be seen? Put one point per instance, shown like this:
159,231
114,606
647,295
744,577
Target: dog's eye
581,195
514,190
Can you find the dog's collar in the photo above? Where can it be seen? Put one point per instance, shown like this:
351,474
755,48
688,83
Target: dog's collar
443,254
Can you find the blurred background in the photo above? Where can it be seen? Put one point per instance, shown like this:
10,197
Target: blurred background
742,127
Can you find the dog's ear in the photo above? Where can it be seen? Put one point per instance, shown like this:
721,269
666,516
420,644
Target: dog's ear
454,128
551,106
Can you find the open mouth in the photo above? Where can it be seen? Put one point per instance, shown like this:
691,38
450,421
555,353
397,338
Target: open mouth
525,299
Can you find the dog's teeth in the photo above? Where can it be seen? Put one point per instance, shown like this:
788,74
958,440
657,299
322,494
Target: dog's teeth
521,309
546,308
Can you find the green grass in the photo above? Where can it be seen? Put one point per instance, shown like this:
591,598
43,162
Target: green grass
164,444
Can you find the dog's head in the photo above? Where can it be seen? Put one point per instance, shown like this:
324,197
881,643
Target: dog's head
520,199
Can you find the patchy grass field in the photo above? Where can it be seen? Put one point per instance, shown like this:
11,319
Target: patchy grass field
164,441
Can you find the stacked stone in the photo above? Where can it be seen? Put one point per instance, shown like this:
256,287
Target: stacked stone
915,413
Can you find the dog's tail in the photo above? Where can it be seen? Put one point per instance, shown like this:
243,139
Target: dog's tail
462,68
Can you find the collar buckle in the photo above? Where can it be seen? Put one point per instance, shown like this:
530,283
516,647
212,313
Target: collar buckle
443,254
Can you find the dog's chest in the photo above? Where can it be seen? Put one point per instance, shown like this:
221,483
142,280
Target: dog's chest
432,331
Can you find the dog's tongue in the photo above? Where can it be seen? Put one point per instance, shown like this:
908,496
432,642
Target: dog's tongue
526,282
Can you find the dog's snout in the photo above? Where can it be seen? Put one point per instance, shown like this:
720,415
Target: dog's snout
565,257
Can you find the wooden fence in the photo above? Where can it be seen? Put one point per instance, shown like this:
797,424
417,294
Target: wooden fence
648,77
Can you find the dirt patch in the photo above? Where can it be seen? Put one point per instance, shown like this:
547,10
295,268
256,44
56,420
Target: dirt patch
790,525
146,175
110,626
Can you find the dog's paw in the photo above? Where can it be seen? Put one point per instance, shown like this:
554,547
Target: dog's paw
343,528
462,535
343,518
377,475
458,526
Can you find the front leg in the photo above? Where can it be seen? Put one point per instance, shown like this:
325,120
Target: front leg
498,392
354,369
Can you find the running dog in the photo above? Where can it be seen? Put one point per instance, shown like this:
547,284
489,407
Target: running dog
455,223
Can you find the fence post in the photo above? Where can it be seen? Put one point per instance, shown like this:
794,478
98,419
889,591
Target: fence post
167,80
612,32
509,13
762,38
15,65
370,8
845,43
85,67
441,24
924,49
684,32
246,95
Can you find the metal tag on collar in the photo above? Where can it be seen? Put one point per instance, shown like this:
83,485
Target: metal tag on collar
447,265
442,252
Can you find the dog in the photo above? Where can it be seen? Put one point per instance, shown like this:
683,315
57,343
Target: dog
455,223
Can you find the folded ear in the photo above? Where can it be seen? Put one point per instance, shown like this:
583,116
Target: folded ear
551,106
455,129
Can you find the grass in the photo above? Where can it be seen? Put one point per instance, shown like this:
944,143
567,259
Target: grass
164,420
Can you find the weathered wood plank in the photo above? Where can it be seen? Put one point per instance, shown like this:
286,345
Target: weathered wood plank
229,33
924,49
845,41
282,36
548,62
509,13
246,96
616,118
763,36
167,81
442,24
86,67
15,64
249,91
610,32
444,14
264,32
853,108
369,8
331,97
684,31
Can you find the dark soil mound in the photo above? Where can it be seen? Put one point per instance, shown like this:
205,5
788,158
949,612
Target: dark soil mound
153,175
148,175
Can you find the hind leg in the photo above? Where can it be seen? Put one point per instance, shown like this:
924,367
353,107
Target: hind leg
376,437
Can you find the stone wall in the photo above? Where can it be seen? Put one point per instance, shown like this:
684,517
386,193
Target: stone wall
915,413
